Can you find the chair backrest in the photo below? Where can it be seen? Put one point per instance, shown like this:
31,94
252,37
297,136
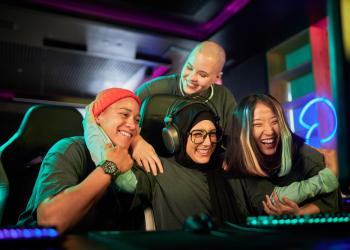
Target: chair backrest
153,111
22,154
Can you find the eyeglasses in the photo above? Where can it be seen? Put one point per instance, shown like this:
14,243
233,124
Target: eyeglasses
198,136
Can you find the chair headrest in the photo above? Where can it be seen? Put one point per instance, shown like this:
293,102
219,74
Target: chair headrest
41,127
153,111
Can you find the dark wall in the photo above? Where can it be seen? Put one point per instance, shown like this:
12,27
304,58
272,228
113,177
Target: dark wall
260,26
248,77
263,24
11,114
9,125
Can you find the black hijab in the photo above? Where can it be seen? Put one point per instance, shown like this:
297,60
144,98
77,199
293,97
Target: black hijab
224,206
185,121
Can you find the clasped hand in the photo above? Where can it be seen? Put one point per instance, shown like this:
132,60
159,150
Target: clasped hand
273,206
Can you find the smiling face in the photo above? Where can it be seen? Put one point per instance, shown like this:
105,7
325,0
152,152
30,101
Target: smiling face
201,153
202,68
120,121
199,73
266,129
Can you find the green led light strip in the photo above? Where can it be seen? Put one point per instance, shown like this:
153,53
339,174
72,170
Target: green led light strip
297,220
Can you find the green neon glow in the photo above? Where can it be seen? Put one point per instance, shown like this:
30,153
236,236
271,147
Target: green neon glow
298,56
275,221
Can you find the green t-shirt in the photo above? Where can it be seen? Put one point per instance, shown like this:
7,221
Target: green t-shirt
174,195
66,164
222,98
251,190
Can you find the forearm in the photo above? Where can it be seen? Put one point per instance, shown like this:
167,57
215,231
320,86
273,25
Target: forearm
67,208
138,138
324,182
309,208
95,137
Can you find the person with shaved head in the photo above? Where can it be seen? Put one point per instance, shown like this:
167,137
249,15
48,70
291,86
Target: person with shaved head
198,77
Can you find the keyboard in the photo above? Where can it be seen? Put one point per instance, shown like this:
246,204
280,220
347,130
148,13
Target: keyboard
290,221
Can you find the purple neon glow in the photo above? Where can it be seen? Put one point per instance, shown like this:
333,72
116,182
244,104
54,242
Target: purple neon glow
159,71
200,31
27,233
231,9
6,94
346,200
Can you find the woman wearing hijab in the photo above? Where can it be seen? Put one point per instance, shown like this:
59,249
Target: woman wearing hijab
263,150
192,181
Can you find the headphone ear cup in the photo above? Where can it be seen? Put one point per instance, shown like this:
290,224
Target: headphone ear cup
171,138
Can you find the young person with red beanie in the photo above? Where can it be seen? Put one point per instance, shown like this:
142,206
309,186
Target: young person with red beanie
71,193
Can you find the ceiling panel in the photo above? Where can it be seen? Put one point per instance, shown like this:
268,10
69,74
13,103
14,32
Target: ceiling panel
47,55
74,48
47,72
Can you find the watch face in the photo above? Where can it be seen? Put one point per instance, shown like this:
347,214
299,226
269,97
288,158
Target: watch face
110,168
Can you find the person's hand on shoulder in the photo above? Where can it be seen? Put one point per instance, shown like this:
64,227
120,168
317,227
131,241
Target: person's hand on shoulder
145,156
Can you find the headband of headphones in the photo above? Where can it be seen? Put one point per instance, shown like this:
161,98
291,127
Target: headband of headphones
181,103
170,133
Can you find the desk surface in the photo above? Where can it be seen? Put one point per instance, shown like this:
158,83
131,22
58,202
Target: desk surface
324,237
216,239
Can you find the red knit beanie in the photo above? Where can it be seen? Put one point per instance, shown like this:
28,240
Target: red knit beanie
109,96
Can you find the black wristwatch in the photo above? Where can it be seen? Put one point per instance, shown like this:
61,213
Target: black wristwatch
110,168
